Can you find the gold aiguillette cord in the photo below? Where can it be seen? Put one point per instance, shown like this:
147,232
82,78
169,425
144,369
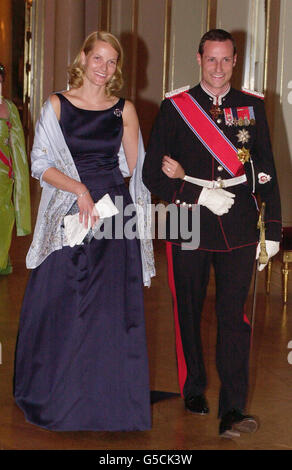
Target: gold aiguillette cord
263,259
263,256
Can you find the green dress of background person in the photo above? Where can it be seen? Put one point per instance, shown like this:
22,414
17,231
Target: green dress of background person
14,184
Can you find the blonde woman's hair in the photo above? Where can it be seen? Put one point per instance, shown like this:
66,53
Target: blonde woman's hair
76,70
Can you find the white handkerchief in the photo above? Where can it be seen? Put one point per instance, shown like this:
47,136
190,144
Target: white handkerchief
76,232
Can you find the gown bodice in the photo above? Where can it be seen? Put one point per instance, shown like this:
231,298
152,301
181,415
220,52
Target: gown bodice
93,137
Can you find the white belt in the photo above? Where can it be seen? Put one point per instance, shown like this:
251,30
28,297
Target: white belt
215,184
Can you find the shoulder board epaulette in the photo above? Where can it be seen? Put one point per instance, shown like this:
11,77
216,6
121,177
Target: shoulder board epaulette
170,94
257,94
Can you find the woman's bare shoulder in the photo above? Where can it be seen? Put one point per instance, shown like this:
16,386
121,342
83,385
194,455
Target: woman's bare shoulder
129,106
55,102
129,113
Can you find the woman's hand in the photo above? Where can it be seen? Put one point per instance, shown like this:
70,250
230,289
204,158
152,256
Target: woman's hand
86,209
172,168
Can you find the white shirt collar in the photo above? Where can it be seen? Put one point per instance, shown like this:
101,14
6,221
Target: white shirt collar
217,100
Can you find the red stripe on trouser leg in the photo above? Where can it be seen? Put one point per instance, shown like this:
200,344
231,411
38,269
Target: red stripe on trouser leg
182,368
245,319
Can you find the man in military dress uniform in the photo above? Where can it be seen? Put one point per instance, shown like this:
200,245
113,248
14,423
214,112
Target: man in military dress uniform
210,146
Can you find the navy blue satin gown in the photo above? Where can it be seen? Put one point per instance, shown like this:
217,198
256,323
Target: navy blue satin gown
81,356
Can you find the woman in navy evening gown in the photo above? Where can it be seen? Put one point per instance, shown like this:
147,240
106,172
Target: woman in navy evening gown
81,355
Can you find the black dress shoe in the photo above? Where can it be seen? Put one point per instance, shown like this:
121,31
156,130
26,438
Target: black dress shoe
234,422
197,404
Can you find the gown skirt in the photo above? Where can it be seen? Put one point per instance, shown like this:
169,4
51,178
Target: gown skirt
81,356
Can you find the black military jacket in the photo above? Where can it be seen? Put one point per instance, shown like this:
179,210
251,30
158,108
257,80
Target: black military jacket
172,136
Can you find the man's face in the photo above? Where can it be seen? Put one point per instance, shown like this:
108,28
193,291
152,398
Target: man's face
217,64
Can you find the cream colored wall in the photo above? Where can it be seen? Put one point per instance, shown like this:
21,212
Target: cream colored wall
69,36
124,24
37,62
91,16
49,51
282,136
150,57
232,15
141,27
122,16
169,33
59,28
188,24
160,39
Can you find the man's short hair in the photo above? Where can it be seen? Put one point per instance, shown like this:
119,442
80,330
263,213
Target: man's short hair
216,35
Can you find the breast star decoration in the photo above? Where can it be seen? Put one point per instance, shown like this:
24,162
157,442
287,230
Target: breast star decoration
243,136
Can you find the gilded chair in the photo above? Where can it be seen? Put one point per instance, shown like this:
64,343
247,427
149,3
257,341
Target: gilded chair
286,256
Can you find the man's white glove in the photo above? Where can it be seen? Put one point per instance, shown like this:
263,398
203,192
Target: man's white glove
272,248
216,200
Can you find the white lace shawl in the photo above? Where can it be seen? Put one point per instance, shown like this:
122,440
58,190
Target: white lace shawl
50,150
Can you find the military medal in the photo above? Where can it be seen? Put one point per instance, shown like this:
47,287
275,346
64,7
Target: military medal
228,116
242,116
243,136
243,155
264,178
215,112
245,114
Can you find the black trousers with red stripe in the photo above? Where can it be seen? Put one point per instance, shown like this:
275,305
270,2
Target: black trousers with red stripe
188,280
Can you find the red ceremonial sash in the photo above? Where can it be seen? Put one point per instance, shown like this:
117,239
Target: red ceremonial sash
211,136
7,162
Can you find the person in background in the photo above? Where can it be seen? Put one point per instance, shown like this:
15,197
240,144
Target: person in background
210,147
14,179
81,355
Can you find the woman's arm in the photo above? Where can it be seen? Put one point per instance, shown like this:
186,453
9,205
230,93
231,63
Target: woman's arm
84,200
55,102
58,179
131,135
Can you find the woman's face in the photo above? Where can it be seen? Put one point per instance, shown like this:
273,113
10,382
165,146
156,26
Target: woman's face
100,63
